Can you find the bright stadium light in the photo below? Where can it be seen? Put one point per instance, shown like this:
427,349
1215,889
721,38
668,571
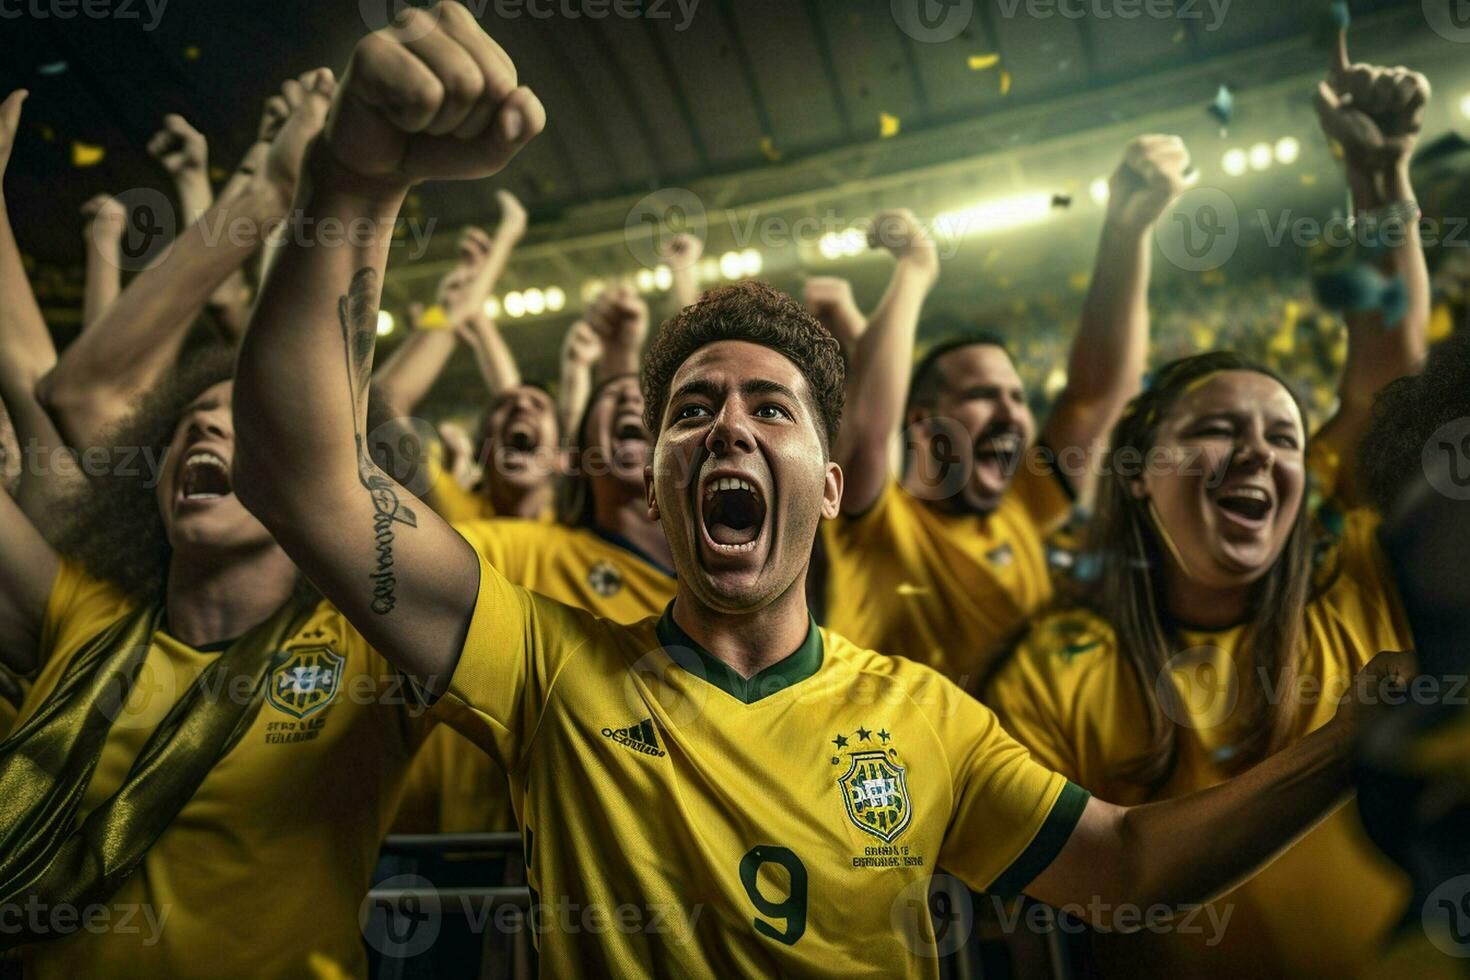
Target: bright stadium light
556,300
643,279
1100,190
515,305
751,263
1260,156
1234,162
492,307
998,215
535,301
730,265
663,277
1465,105
385,323
709,270
1287,149
591,289
842,244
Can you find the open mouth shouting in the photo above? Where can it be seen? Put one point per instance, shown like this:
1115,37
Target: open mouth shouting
732,515
1245,506
630,439
996,455
203,477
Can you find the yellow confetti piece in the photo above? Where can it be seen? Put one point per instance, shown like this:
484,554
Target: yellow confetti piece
85,154
1005,82
887,125
1308,180
980,62
768,149
433,318
1441,323
191,53
1079,280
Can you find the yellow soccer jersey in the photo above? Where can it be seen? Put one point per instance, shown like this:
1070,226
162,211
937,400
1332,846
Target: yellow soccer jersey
944,589
262,872
453,786
1324,906
458,505
683,820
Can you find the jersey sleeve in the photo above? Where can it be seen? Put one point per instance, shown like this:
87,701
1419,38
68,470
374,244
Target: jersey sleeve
1012,815
517,645
453,502
78,608
1027,707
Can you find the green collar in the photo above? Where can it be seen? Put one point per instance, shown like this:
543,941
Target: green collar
682,649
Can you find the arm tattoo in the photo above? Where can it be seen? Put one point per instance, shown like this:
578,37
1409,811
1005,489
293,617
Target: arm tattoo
357,311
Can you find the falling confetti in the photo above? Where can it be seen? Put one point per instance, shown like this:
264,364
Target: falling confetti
1223,108
1308,180
85,154
54,68
433,318
887,125
1061,200
191,53
768,149
979,62
1005,82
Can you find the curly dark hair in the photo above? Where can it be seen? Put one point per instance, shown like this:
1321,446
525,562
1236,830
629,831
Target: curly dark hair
756,313
1407,413
112,525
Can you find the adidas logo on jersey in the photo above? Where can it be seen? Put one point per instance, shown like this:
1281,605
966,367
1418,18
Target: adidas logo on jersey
639,737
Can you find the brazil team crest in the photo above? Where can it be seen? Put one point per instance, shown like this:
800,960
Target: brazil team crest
876,795
605,579
306,682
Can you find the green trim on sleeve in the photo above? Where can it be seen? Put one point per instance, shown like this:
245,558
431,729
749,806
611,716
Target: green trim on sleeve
1046,845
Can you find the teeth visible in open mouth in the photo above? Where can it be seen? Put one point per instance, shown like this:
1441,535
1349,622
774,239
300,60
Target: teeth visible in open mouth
726,483
1253,503
205,476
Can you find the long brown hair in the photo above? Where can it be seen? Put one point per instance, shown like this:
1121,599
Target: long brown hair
1127,592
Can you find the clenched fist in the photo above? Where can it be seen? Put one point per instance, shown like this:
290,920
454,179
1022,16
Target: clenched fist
180,147
581,346
106,220
1155,170
433,98
829,299
899,232
1375,114
619,317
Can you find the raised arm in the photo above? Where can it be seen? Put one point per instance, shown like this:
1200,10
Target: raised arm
1193,848
182,151
883,358
103,372
1110,350
434,98
106,220
1375,115
683,253
581,349
619,317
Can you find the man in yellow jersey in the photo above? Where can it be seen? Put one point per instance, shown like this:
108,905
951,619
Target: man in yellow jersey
727,787
944,561
607,558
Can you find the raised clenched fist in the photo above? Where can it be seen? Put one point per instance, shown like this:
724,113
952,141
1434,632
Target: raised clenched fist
619,317
434,98
683,250
829,299
1374,113
512,216
106,219
1155,170
308,97
180,147
898,231
581,346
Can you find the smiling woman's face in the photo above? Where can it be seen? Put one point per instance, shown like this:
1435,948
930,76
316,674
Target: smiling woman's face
740,477
1232,478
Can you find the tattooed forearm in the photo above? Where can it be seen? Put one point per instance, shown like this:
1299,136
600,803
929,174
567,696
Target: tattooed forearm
357,312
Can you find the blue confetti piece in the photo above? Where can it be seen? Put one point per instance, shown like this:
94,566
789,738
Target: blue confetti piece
1223,108
1338,16
54,68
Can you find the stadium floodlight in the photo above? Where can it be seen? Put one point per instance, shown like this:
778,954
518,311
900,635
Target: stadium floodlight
492,307
1287,149
535,301
1465,105
591,289
842,244
751,263
709,270
1100,190
556,300
1002,214
515,305
730,265
1260,156
663,278
385,323
1234,162
643,279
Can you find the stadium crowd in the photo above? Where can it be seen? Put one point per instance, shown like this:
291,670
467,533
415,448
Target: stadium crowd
757,623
